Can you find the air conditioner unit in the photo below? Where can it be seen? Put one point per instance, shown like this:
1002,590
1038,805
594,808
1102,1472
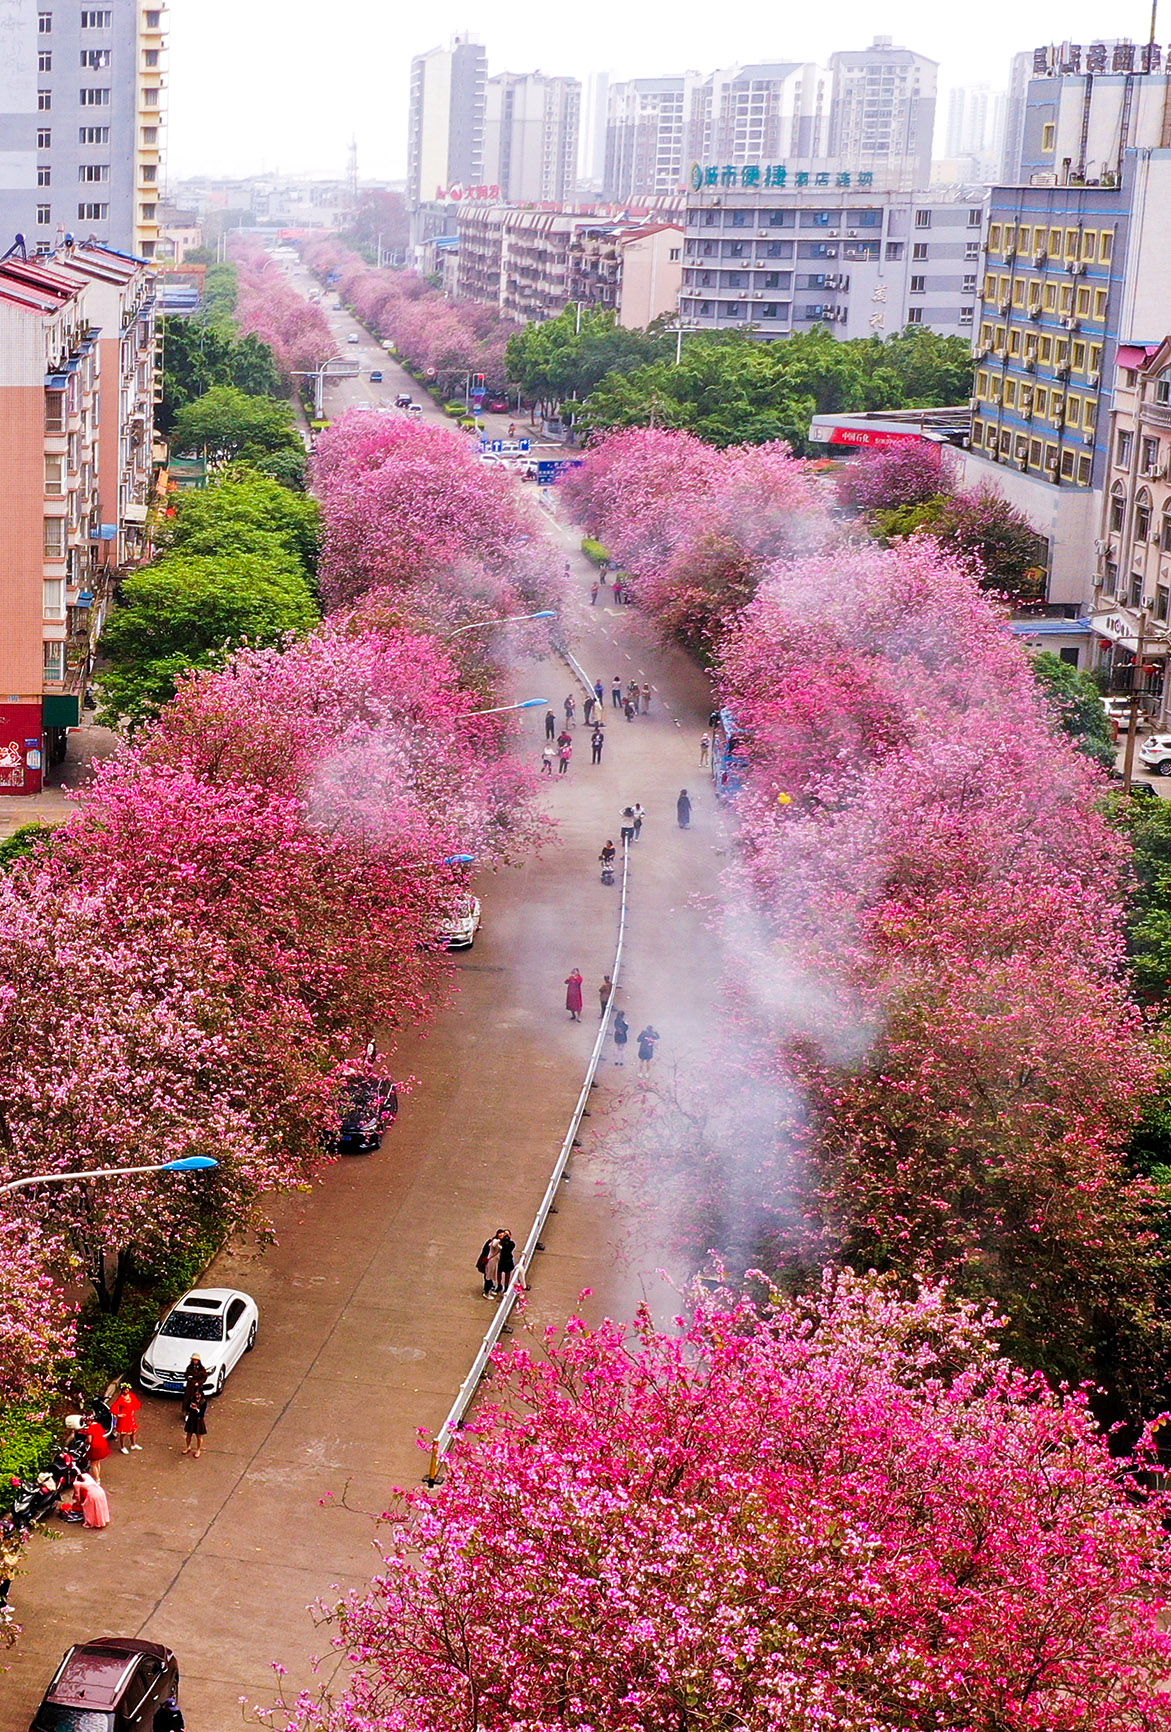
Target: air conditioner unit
1051,460
1078,269
1010,255
1101,547
758,295
852,234
1088,438
1006,306
1095,378
1030,365
1039,260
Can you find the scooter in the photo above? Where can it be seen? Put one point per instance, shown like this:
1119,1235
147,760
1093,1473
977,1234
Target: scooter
607,868
34,1500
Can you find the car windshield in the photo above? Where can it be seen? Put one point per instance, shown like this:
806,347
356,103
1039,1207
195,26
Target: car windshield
53,1718
190,1326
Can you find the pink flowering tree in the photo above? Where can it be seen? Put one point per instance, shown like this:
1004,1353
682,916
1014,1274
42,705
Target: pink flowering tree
408,509
907,474
36,1317
849,1511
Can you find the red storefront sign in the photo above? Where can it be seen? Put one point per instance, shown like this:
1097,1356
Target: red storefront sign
873,436
21,749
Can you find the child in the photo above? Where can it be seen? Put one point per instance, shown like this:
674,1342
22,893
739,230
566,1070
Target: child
126,1410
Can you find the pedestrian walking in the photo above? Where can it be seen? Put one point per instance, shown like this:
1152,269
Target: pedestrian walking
594,593
195,1424
168,1718
646,1048
603,568
713,720
616,692
630,710
567,571
597,741
604,992
587,710
646,699
563,757
618,590
488,1263
506,1261
95,1505
570,708
99,1445
683,809
637,813
126,1408
705,750
633,692
599,692
628,823
573,1000
547,757
550,725
621,1036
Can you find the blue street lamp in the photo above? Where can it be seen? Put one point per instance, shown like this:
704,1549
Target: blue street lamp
187,1164
501,709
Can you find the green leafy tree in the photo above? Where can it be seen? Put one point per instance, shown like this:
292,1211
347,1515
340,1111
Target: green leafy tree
198,355
1075,704
245,511
1147,826
555,361
22,843
190,610
228,423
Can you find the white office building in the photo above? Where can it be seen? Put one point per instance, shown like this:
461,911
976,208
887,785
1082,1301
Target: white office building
882,117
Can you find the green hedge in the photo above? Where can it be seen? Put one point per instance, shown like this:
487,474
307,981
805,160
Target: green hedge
594,550
27,1443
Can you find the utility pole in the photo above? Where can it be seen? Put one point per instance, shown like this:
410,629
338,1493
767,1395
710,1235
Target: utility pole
1136,674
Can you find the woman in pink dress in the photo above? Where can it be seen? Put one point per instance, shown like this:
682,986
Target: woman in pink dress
573,995
95,1505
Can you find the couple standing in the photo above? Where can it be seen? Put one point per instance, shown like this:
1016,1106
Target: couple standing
496,1262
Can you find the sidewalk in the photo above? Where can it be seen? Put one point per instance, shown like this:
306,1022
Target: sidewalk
52,805
370,1310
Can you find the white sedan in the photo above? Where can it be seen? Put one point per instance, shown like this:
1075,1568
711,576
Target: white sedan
459,932
217,1323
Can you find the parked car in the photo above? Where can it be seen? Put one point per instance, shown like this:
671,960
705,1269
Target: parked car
497,405
112,1684
1155,753
369,1107
459,931
376,375
1118,709
218,1323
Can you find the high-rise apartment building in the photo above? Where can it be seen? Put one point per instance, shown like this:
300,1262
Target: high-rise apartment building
81,122
882,116
77,356
531,125
591,161
646,136
1078,253
445,143
760,113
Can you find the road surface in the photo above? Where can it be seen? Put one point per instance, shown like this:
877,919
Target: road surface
370,1303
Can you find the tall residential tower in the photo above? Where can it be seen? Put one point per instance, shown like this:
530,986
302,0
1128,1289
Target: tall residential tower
883,113
81,122
531,136
445,144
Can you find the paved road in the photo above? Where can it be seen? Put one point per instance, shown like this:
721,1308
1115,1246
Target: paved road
370,1310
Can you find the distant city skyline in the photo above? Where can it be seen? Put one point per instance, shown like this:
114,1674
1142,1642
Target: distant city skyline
279,88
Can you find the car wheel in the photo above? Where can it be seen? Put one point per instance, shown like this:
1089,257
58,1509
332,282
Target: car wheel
1163,767
251,1341
219,1382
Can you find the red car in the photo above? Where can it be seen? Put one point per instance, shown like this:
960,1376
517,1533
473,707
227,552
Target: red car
497,405
114,1684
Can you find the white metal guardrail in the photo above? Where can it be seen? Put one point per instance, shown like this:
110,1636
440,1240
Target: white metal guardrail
471,1383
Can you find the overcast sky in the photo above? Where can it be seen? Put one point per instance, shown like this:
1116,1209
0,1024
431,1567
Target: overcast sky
264,85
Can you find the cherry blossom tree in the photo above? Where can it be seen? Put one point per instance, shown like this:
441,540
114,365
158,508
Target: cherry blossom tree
36,1318
907,474
849,1511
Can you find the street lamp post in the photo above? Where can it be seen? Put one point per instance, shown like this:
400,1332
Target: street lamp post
502,709
447,860
186,1164
512,619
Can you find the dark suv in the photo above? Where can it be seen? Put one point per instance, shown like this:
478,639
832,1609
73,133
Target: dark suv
112,1684
369,1106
